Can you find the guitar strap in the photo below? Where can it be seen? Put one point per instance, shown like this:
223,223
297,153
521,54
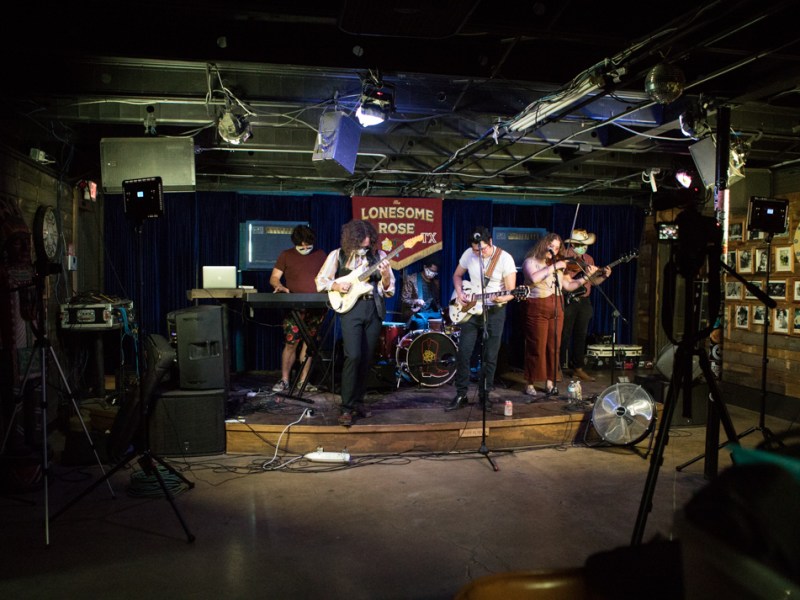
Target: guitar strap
495,257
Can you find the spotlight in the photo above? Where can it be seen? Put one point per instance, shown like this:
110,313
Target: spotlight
376,102
694,120
233,128
683,177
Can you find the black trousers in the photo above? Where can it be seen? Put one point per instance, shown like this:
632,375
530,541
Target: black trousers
577,315
361,327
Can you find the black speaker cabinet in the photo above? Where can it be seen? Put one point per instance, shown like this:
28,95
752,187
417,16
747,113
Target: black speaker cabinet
658,388
200,333
188,423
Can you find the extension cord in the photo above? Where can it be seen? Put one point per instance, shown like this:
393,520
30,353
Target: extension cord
329,457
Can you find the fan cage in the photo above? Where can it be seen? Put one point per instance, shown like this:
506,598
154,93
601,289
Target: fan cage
624,414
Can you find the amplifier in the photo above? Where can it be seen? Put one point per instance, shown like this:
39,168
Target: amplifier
97,316
599,355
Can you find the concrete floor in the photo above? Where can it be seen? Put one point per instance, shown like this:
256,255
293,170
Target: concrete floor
408,526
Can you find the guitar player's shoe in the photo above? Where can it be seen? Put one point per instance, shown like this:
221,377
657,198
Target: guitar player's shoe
457,402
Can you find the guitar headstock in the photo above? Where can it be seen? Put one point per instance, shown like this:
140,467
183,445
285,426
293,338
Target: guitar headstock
629,256
413,241
520,292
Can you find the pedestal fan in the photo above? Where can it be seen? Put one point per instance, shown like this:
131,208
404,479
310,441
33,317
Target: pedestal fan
624,414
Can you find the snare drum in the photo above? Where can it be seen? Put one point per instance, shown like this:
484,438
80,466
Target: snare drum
428,356
387,341
436,324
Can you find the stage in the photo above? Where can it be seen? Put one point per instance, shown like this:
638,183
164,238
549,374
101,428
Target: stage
408,417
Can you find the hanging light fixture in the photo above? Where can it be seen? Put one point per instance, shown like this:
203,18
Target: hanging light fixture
233,128
376,102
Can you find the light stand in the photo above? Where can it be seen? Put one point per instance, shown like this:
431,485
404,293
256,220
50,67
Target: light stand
769,303
45,352
144,190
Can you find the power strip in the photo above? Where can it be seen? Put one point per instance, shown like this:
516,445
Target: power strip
328,457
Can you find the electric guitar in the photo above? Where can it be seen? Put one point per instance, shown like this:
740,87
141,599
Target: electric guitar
459,313
359,282
570,297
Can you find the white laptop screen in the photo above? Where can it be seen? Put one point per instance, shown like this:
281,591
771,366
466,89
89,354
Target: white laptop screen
219,278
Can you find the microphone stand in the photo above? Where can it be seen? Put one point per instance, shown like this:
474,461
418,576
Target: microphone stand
483,393
559,299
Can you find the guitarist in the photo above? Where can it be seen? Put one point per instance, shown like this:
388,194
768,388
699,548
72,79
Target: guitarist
578,310
500,274
361,325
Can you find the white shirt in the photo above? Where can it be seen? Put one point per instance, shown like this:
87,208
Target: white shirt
471,262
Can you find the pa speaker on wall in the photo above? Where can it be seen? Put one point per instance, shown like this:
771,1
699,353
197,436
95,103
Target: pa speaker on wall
171,158
200,333
188,423
337,142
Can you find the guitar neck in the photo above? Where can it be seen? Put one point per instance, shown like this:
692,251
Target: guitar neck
368,273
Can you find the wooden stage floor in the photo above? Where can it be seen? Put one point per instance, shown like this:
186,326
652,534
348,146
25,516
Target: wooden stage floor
410,418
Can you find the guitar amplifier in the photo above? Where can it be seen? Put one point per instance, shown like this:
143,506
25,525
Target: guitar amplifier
96,316
598,356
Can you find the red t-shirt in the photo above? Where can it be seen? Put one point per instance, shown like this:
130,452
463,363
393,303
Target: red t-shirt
299,271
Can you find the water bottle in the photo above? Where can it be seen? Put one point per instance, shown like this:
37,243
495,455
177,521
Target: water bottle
571,390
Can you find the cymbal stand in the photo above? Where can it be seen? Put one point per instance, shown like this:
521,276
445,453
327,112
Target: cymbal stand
45,352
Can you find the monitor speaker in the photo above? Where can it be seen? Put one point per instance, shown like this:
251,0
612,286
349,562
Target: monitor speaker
200,333
337,142
188,423
658,388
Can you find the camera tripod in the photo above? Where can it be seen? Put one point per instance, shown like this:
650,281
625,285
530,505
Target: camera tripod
44,350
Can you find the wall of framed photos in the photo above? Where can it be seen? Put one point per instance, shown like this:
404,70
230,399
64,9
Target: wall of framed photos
746,317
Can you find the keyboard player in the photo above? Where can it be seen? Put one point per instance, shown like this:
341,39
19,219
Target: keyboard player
294,272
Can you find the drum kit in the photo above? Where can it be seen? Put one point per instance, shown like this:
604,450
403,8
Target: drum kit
428,356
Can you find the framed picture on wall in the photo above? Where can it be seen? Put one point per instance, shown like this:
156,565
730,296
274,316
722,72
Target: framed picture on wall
759,314
730,259
777,289
745,261
733,290
780,320
735,231
797,291
757,284
761,260
742,319
784,259
796,326
755,235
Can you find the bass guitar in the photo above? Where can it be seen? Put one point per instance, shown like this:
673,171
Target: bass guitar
570,297
462,312
359,282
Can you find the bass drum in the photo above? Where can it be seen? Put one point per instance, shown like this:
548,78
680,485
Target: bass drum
428,356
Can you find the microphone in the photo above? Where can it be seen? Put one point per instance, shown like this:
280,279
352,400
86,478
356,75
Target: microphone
550,250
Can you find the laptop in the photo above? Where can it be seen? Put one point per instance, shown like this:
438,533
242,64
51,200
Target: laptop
216,278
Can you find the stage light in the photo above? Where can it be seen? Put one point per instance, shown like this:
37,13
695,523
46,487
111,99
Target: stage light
694,120
683,177
376,102
233,128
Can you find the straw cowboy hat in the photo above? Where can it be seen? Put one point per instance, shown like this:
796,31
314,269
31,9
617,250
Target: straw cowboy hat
580,237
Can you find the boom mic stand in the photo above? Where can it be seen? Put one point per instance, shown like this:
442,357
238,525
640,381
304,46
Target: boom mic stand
45,352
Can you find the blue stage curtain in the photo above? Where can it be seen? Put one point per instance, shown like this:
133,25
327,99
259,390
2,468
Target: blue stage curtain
202,228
